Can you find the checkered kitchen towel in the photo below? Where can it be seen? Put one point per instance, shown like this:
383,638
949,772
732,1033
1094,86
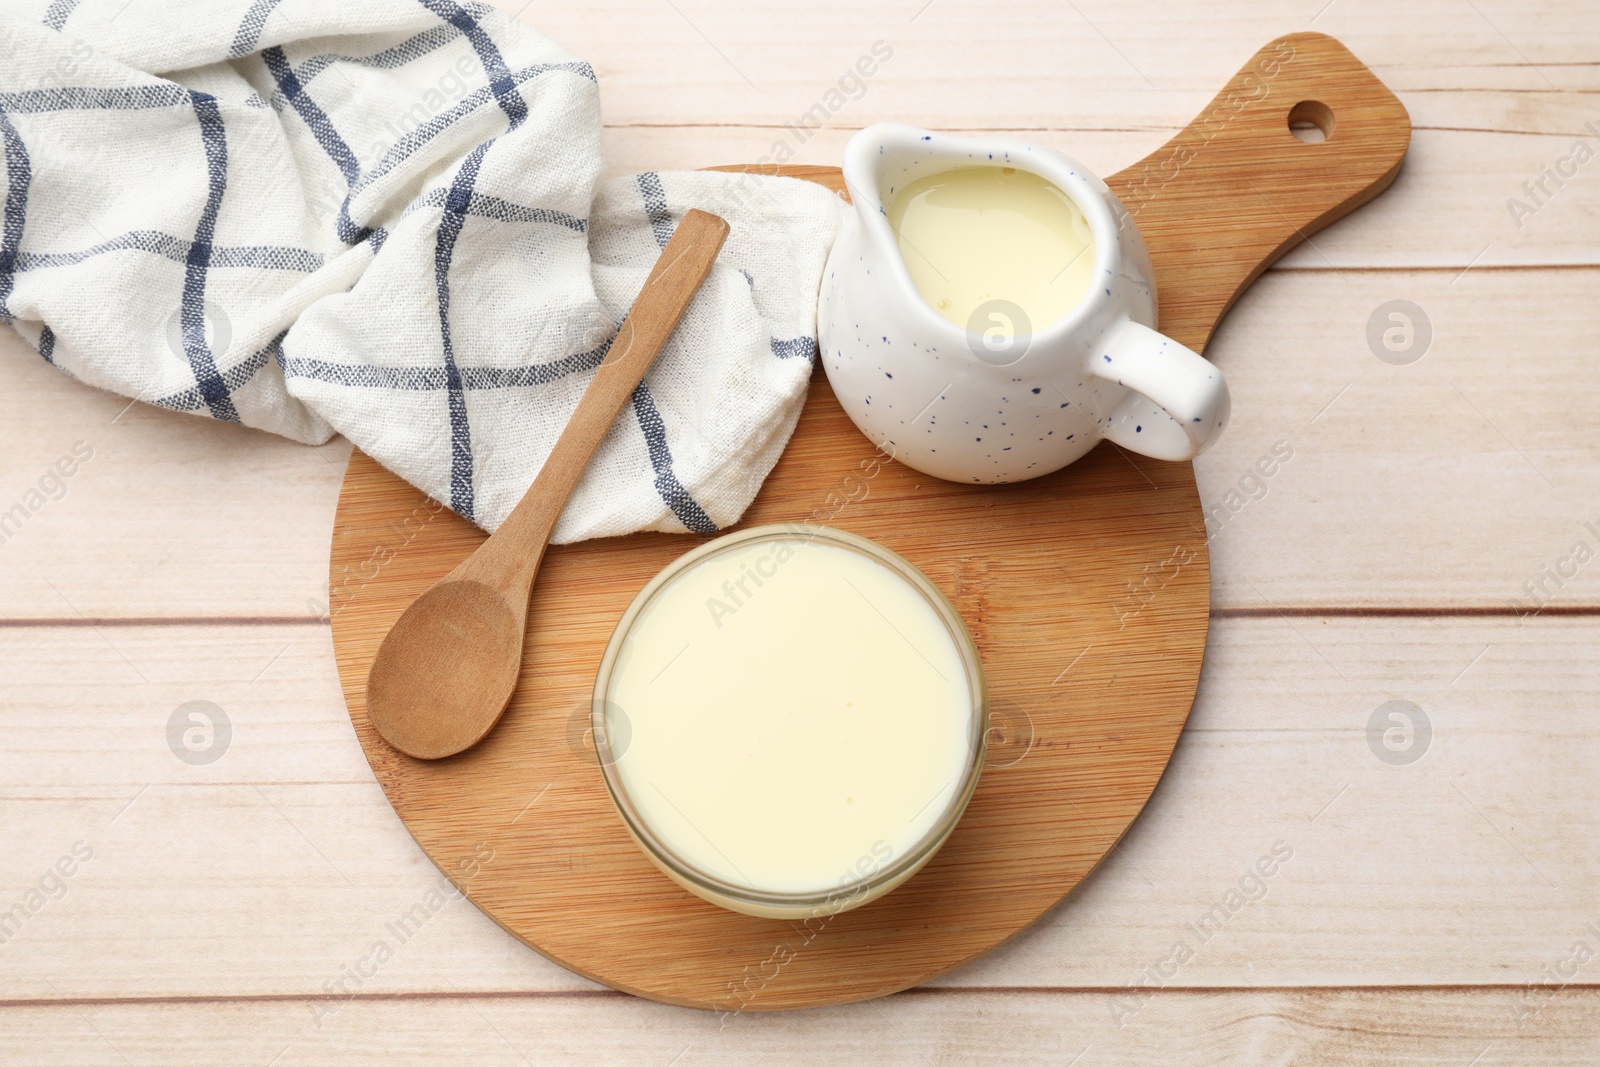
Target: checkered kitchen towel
385,218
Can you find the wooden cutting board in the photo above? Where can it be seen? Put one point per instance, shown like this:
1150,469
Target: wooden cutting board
1088,593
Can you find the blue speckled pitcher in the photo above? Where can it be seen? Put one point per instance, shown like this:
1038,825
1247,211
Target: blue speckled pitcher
997,401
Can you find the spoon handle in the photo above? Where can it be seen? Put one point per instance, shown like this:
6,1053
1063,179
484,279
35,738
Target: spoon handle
511,557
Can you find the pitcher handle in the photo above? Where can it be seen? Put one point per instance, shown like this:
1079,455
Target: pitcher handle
1178,402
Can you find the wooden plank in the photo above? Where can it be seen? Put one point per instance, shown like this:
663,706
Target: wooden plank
270,870
1449,202
1403,493
1497,94
170,515
1448,482
1451,66
1429,1028
1422,873
982,64
214,484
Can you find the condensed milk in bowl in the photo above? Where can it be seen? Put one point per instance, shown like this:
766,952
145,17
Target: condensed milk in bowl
988,313
790,720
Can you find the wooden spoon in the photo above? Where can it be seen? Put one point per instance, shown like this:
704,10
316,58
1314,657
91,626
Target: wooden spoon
445,671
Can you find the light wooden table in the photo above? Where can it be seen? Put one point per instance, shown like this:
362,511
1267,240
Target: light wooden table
224,903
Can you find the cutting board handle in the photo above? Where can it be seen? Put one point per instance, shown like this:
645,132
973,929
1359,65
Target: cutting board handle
1236,189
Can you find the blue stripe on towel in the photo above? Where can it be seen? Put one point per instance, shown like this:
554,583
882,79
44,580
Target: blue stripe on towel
423,379
494,64
47,345
250,27
672,491
90,98
314,117
234,378
192,312
363,375
19,176
170,246
493,207
411,48
655,207
451,222
476,378
415,139
321,128
56,15
402,149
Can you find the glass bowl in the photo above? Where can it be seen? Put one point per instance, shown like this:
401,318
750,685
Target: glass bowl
740,762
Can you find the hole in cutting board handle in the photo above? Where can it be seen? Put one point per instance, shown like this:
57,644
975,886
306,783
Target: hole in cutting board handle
1311,121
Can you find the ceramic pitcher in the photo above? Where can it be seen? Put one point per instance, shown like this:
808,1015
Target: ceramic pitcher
994,402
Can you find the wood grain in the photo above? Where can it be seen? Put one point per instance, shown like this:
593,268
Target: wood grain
1235,189
206,933
1446,211
1424,1028
1094,64
268,872
1217,204
1400,481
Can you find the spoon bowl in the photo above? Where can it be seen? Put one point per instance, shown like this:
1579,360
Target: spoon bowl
456,631
447,668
